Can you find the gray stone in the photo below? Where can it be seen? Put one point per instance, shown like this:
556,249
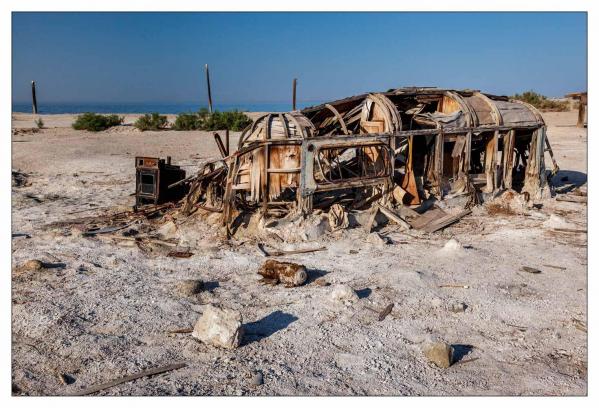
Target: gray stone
257,379
439,353
219,327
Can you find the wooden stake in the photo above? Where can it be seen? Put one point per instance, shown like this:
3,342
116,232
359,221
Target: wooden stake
294,93
209,91
227,145
33,98
582,107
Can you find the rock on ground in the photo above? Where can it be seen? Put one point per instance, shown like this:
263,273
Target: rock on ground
343,293
189,287
219,327
439,353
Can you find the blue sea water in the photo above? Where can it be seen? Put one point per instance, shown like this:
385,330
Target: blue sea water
164,108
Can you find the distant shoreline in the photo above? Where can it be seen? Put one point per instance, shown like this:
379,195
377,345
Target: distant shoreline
162,108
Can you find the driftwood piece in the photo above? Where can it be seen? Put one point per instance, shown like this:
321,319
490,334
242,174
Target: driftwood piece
572,198
394,217
149,240
180,254
106,230
182,330
277,252
562,268
370,222
445,221
144,373
419,222
570,230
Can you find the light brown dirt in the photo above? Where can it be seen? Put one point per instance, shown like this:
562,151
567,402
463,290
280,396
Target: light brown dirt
102,309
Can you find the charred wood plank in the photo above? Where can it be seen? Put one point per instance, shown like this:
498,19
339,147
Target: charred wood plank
445,221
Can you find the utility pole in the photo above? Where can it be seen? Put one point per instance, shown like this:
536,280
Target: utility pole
294,92
209,92
33,98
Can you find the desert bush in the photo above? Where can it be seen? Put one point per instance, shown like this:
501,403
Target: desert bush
40,123
232,120
187,121
541,101
154,121
94,122
204,120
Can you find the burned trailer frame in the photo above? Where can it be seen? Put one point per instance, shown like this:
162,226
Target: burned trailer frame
280,163
453,139
396,147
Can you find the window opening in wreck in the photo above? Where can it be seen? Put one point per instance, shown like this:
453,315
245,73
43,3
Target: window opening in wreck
334,164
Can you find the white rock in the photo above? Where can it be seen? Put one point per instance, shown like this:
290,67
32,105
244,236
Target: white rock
451,247
343,293
219,327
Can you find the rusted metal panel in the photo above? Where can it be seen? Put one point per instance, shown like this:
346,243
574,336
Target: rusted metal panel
153,178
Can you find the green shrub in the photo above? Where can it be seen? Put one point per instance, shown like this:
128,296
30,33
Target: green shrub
94,122
542,102
187,121
232,120
153,121
204,120
40,123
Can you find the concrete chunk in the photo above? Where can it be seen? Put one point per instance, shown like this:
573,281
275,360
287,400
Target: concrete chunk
219,327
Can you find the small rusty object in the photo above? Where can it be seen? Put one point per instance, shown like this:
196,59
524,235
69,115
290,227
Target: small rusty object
288,273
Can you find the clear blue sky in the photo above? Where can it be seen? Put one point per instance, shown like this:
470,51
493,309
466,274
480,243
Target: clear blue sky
159,57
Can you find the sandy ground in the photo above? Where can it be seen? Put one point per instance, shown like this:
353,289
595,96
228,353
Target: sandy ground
105,307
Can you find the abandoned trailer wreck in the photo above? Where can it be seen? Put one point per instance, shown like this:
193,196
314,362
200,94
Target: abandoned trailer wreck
389,149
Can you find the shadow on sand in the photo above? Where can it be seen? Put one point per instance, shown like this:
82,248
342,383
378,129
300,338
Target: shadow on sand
267,326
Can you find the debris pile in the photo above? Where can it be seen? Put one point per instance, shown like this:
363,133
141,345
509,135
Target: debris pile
397,153
419,158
